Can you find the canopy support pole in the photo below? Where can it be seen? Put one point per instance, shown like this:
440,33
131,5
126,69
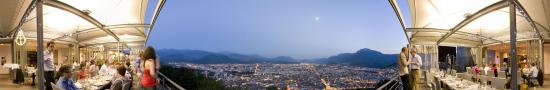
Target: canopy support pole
447,31
77,52
400,18
40,42
541,55
527,17
25,15
152,24
512,15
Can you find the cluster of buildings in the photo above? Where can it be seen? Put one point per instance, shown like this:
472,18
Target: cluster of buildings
294,76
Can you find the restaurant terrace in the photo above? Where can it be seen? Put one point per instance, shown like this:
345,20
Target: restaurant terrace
83,30
459,34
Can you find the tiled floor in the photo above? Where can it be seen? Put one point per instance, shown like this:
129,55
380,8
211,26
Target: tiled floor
6,84
546,85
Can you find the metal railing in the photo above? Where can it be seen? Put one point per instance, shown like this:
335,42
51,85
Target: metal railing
167,84
393,84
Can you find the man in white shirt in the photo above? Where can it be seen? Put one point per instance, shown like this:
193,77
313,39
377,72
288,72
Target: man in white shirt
415,68
533,73
49,67
105,69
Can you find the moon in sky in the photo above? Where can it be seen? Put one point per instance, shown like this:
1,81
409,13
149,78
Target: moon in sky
317,18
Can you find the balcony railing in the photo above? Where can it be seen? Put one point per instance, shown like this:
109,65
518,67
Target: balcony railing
167,84
393,84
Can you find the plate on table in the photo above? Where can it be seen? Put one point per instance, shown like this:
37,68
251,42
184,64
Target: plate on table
460,86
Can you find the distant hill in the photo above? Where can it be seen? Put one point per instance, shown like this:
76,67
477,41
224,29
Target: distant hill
364,58
205,57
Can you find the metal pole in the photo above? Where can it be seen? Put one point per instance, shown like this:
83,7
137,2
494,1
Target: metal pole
397,11
512,14
160,4
541,55
13,55
77,53
40,44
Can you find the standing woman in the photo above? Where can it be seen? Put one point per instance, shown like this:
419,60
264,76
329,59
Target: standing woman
149,79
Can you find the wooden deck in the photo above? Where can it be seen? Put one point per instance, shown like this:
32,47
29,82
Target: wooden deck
6,84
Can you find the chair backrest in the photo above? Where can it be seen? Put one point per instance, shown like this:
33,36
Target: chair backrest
468,77
429,77
501,74
490,73
499,83
461,75
55,87
469,70
127,85
482,72
490,79
453,72
483,78
520,80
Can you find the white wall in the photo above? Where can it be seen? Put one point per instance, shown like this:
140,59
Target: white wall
5,51
61,53
547,59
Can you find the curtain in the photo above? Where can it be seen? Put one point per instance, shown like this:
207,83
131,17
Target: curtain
464,59
491,55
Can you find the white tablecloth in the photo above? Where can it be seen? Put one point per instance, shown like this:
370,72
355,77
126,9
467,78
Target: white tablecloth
456,83
31,70
11,66
93,83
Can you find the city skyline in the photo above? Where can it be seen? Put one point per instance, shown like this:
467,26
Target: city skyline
300,29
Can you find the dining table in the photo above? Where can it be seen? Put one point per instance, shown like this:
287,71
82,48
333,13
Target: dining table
453,82
93,83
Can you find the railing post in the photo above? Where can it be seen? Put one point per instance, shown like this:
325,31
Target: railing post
170,81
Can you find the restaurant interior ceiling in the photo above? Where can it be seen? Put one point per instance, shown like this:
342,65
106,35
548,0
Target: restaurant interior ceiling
475,22
83,22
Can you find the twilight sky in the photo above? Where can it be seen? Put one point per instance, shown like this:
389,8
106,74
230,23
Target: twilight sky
299,28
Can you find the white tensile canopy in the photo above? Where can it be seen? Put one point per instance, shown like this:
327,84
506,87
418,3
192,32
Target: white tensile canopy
82,22
479,24
475,22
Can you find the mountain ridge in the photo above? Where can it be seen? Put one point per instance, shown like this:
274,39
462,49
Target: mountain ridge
364,57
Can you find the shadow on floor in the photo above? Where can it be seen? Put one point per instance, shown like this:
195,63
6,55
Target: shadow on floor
6,84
